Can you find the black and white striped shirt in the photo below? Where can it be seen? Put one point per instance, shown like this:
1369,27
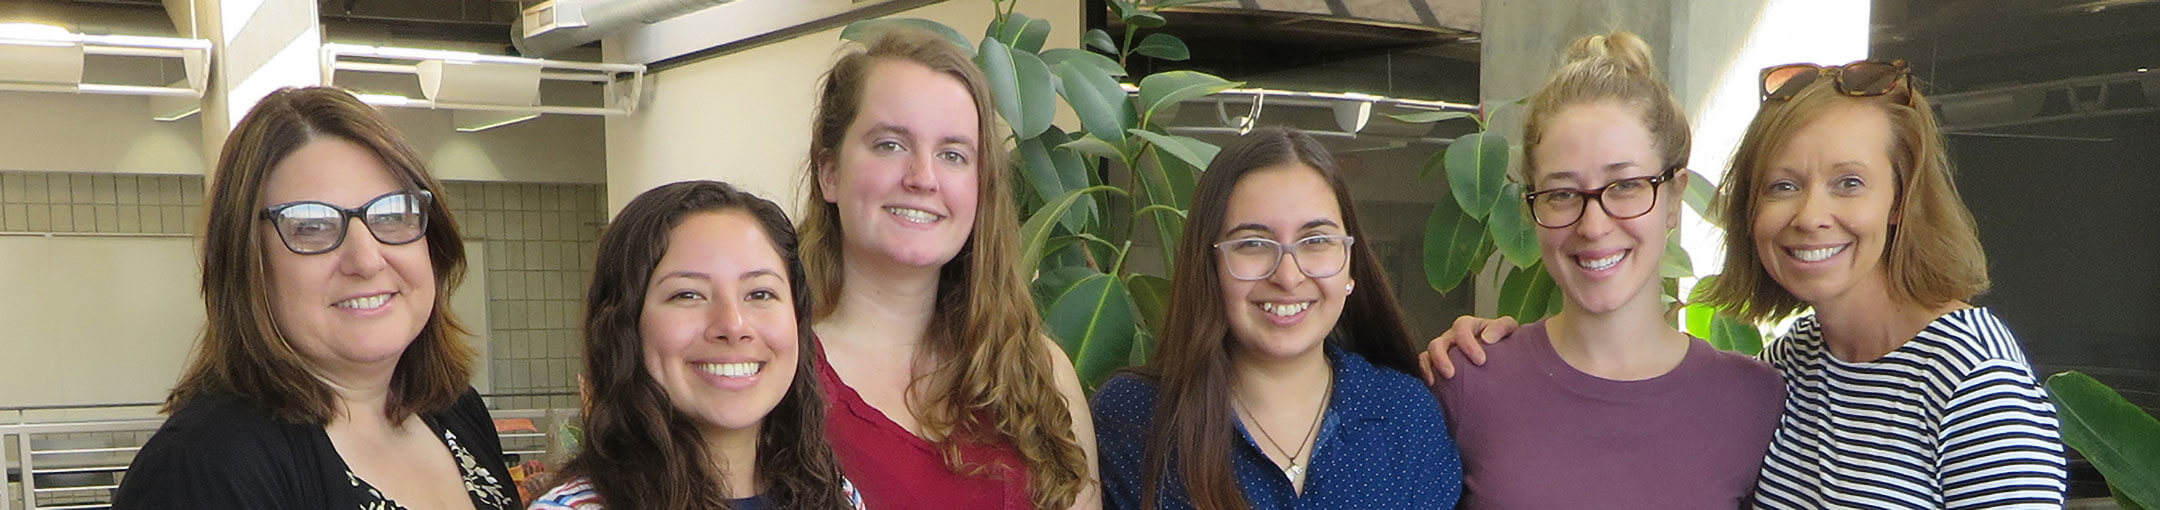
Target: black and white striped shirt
1952,419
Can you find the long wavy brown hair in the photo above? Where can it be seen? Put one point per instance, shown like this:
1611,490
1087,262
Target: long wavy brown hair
640,452
242,352
983,374
1191,367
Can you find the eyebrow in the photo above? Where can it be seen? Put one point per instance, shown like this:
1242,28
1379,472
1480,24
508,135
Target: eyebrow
694,275
903,132
1609,168
1263,229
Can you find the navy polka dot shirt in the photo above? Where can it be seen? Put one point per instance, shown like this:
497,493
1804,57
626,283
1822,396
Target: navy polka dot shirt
1382,445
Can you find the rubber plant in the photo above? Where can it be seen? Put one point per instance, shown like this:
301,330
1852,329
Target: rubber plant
2122,441
1088,194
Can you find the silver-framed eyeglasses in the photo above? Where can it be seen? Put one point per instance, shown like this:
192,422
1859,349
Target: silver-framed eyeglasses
311,227
1621,199
1256,258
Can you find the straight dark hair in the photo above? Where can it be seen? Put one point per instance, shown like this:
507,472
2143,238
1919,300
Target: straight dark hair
640,452
242,352
1191,366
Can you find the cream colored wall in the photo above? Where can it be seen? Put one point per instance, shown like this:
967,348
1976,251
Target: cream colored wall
744,118
92,133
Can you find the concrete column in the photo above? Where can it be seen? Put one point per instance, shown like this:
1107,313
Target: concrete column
258,46
1708,51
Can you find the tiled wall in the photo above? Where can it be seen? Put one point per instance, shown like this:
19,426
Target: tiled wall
102,203
538,243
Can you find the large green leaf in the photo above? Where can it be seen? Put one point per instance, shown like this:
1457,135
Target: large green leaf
1697,317
1163,46
1092,146
869,30
1144,19
1143,347
1100,40
1160,91
1101,104
1675,263
1189,150
1035,234
1702,197
1020,86
1435,164
1453,246
2121,440
1085,59
1185,178
1151,296
1527,293
1476,169
1734,335
1021,32
1432,116
1052,282
1052,172
1124,8
1093,320
1511,228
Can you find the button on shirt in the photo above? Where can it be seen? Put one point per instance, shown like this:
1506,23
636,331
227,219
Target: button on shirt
1382,444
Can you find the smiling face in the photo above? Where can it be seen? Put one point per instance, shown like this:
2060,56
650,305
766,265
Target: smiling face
719,324
904,176
355,308
1825,205
1286,314
1601,263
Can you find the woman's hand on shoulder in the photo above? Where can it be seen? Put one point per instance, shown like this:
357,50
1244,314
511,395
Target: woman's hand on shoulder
1469,334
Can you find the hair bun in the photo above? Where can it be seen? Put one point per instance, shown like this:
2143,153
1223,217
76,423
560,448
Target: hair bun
1621,49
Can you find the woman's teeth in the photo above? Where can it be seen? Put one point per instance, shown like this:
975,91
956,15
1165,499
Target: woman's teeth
1604,263
1285,309
1818,254
364,303
913,215
743,369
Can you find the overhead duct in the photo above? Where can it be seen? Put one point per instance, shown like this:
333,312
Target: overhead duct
556,25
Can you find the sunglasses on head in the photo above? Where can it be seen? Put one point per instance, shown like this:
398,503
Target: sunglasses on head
1864,78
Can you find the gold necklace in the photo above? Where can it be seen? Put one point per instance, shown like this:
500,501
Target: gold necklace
1294,471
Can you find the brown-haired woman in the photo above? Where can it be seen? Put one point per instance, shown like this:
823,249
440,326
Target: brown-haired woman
1899,394
331,373
1276,385
945,391
701,396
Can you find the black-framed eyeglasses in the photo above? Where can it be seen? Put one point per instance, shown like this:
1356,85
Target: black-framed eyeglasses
1862,78
312,227
1257,258
1622,199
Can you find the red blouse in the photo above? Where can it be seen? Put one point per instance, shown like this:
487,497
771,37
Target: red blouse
896,470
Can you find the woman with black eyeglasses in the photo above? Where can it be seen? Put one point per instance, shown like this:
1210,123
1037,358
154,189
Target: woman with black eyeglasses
331,373
1899,393
1606,405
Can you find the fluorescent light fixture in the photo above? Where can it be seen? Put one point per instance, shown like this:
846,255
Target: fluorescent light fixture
468,121
34,53
488,83
172,108
37,32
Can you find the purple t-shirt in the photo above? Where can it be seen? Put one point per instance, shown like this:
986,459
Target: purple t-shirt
1537,433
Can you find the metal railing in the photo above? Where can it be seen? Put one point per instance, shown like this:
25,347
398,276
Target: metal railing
78,465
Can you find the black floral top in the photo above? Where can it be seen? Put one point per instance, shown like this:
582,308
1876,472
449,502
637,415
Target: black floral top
486,491
222,452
